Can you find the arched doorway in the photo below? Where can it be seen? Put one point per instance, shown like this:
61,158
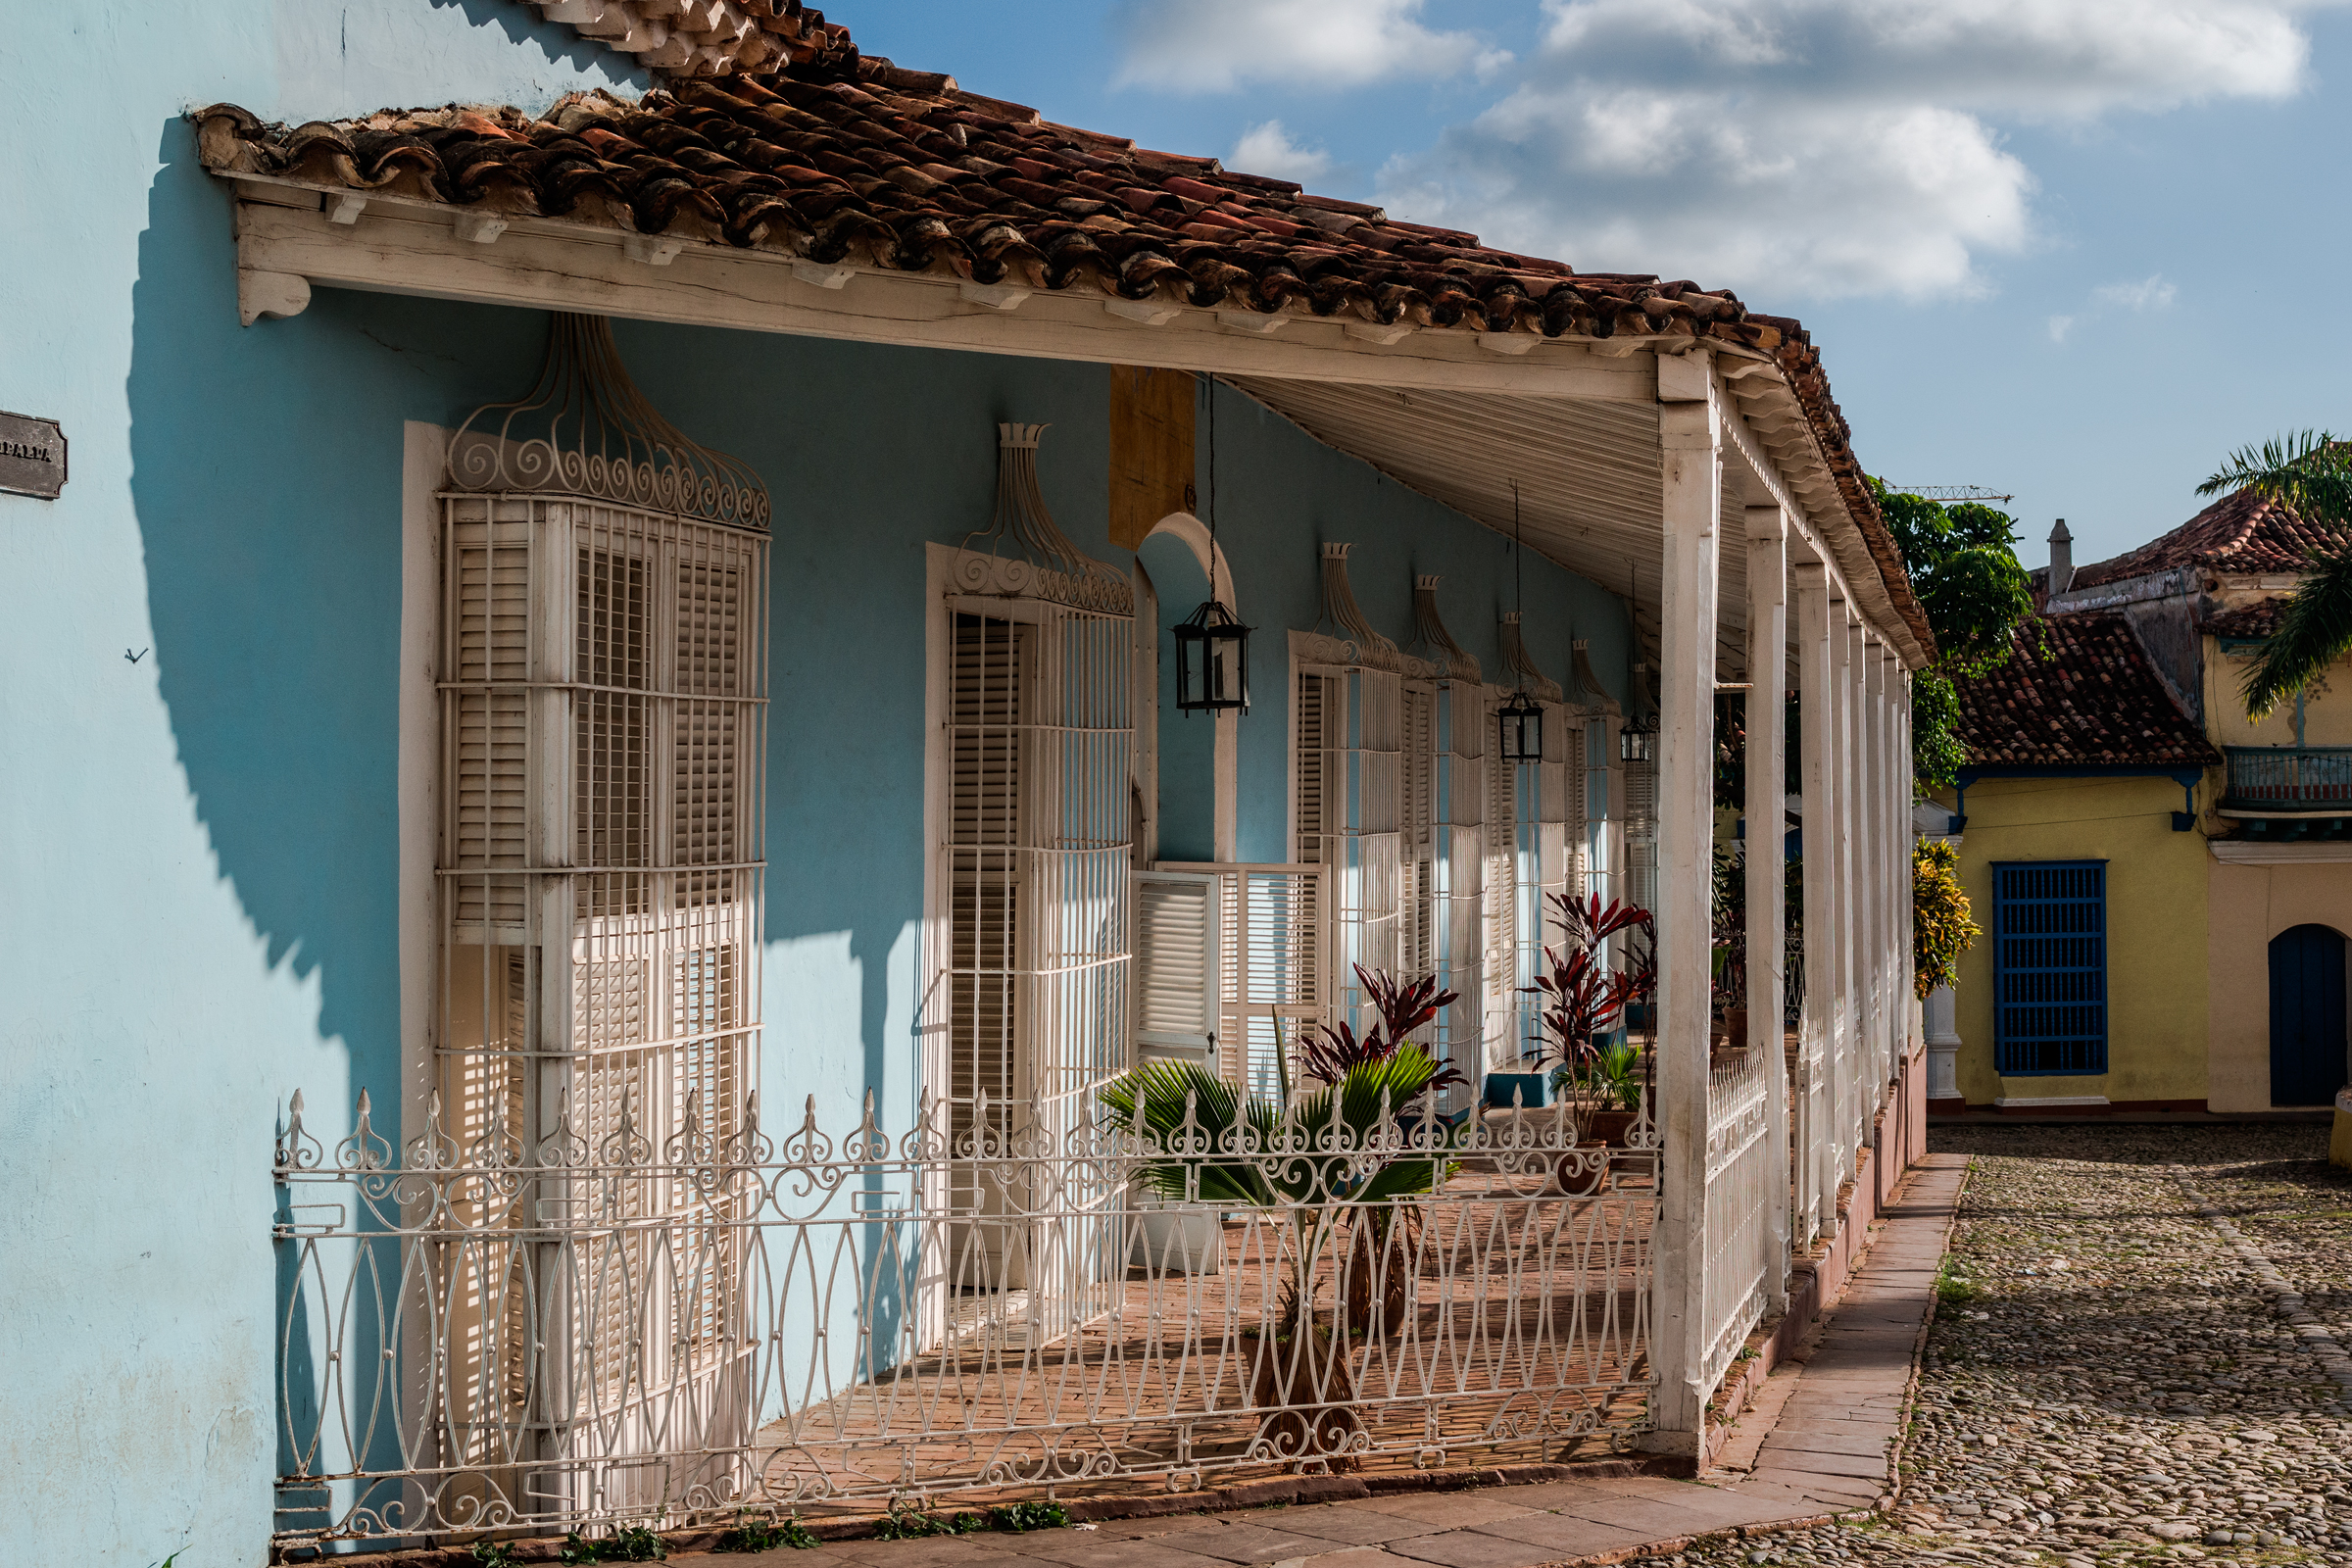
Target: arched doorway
2308,1053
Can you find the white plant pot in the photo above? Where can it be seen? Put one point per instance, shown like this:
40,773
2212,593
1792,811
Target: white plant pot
1179,1238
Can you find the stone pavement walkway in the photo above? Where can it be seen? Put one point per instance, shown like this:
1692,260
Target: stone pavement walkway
2127,1369
1818,1449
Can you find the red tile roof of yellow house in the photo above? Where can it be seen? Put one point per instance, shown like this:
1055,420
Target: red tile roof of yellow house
2238,533
2077,691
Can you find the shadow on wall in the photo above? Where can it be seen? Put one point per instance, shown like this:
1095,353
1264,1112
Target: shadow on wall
265,478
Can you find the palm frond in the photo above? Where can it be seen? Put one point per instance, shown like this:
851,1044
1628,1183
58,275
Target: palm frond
2314,630
2310,472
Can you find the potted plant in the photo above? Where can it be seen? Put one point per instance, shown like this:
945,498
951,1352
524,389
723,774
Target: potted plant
1584,999
1335,1174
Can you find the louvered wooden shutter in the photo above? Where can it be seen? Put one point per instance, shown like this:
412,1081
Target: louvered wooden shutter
1314,801
985,873
1500,951
1178,960
487,624
1417,927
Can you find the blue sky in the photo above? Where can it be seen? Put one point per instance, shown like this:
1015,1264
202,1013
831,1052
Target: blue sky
2074,249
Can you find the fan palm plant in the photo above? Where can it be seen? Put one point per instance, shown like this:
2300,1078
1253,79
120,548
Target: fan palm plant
2310,475
1332,1172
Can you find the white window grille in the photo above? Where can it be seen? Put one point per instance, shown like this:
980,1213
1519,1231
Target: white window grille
1348,766
1461,867
1037,879
1419,765
1349,785
1642,831
602,678
1452,866
1532,842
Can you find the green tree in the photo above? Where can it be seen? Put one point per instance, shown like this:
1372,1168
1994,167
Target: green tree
2310,474
1962,560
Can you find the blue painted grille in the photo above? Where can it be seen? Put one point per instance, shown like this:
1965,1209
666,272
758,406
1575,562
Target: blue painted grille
2050,958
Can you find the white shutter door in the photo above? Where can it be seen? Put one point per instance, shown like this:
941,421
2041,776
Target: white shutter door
1178,951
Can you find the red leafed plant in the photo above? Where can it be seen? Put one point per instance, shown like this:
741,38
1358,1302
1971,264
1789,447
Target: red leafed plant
1584,997
1327,1051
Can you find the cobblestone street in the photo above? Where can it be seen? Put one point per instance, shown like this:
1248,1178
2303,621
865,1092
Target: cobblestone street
2111,1380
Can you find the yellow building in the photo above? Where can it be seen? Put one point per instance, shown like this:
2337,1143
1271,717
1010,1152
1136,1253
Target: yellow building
2165,887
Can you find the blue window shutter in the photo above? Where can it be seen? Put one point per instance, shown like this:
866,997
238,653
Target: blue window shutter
2051,962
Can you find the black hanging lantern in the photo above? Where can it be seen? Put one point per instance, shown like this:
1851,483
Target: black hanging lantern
1213,649
1522,720
1212,662
1637,742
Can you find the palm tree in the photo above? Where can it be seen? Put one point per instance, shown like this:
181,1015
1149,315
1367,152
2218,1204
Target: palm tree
2310,475
1335,1174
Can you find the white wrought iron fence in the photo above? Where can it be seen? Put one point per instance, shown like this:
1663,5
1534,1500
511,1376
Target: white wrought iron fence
503,1336
1746,1172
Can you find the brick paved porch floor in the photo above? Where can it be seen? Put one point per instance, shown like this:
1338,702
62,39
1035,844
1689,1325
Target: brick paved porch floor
1818,1445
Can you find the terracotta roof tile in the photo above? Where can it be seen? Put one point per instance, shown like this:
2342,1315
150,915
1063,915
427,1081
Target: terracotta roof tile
2238,533
2255,621
2077,691
705,37
830,155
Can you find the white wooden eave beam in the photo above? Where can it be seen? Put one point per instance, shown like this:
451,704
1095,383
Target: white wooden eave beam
288,242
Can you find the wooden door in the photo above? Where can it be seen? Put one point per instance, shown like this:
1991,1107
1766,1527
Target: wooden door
2308,1056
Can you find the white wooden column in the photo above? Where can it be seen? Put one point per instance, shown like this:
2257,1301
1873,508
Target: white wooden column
1816,677
1875,902
1906,789
1767,845
1691,460
1836,919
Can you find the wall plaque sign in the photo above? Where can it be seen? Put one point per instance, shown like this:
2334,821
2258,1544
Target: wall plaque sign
32,456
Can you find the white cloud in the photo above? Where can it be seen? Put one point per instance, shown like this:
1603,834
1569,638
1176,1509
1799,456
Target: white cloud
1795,148
1217,45
1267,149
2151,293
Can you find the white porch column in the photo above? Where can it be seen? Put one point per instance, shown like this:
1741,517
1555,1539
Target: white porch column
1767,843
1839,923
1899,845
1875,902
1691,462
1816,676
1906,835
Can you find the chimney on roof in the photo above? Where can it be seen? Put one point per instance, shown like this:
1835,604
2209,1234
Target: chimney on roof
2062,559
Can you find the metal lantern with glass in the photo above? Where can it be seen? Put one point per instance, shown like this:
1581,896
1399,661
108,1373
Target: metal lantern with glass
1213,645
1521,717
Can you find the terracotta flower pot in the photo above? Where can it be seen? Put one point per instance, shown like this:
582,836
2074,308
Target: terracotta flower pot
1610,1127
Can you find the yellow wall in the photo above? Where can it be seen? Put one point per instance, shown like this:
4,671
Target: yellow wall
2326,709
2249,906
2156,930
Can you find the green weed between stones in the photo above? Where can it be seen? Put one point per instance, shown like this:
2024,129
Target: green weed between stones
1953,1286
1014,1518
765,1535
630,1543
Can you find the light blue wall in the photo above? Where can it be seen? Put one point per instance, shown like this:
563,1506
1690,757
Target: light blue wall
1282,494
198,845
195,847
